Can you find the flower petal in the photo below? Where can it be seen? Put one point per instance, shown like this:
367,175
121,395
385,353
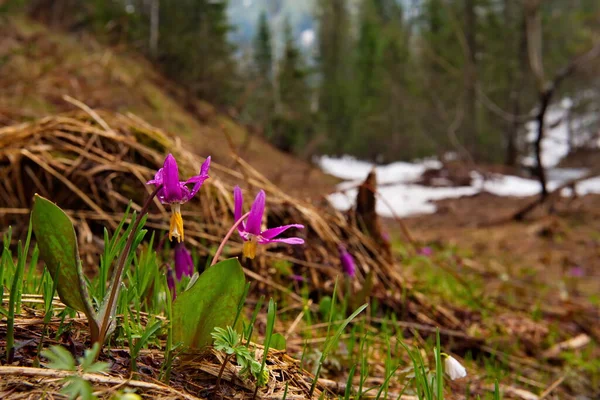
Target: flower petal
186,195
238,204
158,178
273,232
292,240
254,220
199,179
454,369
172,187
205,166
184,264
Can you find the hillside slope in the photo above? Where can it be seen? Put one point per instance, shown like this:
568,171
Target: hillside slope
38,67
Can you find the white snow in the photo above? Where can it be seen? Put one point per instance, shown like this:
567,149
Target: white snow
401,200
349,168
555,144
400,196
307,37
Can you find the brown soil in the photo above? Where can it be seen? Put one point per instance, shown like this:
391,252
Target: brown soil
548,244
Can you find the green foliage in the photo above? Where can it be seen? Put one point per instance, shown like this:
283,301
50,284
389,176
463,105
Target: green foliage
331,341
211,302
263,49
75,386
194,48
58,248
278,342
336,98
229,341
291,125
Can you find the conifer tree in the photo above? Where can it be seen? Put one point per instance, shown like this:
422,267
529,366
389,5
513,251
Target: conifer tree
263,50
335,65
261,105
293,120
194,47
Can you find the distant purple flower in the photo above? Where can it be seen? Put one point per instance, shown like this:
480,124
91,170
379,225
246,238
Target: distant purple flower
171,283
426,251
577,271
347,261
184,265
250,230
175,192
298,278
385,235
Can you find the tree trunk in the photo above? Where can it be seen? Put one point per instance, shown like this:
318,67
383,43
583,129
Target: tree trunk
470,136
516,79
154,23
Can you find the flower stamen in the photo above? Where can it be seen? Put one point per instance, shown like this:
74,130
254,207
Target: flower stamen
176,225
249,249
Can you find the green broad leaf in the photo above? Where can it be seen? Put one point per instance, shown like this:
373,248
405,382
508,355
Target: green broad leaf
278,342
211,302
58,249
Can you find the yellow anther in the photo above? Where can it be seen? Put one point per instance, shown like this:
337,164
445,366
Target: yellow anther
176,225
249,249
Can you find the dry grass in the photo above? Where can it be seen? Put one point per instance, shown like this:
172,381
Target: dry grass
39,66
190,379
92,162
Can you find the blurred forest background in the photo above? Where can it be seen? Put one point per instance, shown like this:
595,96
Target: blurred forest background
382,80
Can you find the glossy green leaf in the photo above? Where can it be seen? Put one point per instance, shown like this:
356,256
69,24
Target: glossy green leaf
57,244
211,302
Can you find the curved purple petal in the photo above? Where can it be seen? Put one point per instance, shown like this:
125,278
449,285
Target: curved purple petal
347,261
158,178
292,240
199,179
205,166
254,220
245,236
172,187
186,195
203,175
184,264
273,232
238,204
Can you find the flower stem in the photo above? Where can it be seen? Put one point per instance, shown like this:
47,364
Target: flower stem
226,238
225,361
115,284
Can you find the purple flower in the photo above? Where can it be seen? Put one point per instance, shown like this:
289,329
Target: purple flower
298,278
347,261
426,251
577,271
175,192
385,235
171,283
250,230
184,265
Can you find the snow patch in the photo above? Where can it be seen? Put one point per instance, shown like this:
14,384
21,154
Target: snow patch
307,37
349,168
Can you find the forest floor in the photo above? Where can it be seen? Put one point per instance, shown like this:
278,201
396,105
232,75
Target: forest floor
547,247
517,301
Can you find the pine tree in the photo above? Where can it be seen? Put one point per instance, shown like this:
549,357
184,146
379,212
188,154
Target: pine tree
293,121
263,49
335,65
261,104
194,47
